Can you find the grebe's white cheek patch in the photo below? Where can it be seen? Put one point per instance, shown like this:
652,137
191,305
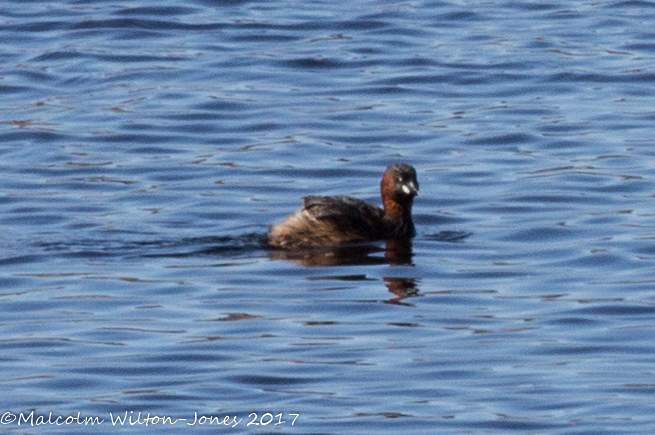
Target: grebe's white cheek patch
406,189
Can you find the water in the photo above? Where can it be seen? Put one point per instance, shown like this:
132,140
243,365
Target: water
146,148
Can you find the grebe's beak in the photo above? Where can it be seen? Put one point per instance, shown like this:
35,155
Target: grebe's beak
410,189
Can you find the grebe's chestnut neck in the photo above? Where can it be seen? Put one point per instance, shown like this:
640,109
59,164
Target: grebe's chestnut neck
398,187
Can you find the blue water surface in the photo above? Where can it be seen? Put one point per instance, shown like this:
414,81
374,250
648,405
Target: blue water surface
146,147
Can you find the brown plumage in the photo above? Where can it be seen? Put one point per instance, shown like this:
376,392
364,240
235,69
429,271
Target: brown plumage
336,220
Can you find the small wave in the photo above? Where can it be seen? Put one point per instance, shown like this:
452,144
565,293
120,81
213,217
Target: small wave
448,236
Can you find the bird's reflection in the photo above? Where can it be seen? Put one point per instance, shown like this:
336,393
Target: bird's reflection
396,252
401,287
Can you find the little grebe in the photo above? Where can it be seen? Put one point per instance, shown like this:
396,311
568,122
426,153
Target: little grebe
336,220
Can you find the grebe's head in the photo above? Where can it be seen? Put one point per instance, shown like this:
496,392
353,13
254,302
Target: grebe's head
399,183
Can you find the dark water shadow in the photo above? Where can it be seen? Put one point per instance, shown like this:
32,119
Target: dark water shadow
395,252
